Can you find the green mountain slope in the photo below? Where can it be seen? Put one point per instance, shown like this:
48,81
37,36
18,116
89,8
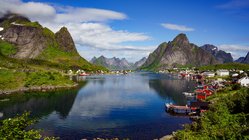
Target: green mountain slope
26,44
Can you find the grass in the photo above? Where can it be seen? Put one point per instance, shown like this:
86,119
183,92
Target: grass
6,48
11,80
228,66
14,80
46,78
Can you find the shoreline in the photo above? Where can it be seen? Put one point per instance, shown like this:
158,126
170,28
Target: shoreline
37,88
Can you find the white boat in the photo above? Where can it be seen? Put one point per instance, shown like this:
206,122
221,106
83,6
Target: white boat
188,93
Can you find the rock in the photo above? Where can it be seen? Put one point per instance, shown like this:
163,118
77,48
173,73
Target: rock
140,62
29,41
220,55
178,52
244,60
240,60
112,63
65,40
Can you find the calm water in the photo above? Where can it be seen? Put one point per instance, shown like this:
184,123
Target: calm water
123,106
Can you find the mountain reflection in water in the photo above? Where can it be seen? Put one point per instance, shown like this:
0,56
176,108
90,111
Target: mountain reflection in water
124,106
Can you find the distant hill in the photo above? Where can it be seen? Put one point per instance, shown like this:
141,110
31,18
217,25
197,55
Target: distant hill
240,60
220,55
23,41
113,63
177,53
117,63
243,59
140,62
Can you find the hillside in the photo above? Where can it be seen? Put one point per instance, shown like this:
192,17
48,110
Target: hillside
29,45
178,53
220,55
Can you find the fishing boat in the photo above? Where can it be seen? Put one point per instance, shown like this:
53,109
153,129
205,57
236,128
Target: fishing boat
83,74
178,109
188,94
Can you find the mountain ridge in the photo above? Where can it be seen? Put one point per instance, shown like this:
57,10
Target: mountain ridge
115,63
220,55
177,53
30,40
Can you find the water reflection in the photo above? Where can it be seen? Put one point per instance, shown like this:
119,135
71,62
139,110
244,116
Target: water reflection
172,89
107,106
39,104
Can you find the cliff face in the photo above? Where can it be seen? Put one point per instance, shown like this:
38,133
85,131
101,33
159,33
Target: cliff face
65,41
29,41
220,55
178,52
32,41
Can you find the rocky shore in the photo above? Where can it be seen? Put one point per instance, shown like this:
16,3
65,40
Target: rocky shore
37,88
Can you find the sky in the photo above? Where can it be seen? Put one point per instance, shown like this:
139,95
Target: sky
132,29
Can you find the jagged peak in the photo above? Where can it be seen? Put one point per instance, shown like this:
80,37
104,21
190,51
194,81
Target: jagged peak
181,39
63,30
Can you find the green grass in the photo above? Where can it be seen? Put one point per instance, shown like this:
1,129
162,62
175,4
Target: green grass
68,60
46,78
6,48
14,80
11,80
228,66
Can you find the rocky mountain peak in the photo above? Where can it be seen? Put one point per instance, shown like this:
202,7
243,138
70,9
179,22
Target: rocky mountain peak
220,55
65,40
246,60
177,53
181,39
10,18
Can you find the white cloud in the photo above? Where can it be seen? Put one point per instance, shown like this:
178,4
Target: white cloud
72,14
235,4
87,26
177,27
33,10
236,50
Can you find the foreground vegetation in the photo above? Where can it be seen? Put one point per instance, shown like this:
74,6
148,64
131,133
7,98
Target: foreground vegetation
227,117
19,128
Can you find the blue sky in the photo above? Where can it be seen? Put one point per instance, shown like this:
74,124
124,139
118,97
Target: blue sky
134,28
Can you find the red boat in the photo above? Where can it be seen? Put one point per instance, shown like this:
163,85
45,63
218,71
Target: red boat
83,74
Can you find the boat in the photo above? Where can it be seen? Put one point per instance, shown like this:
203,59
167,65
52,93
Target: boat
188,94
178,109
83,74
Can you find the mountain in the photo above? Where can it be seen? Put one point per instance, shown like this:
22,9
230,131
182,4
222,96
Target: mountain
240,60
220,55
178,53
140,62
113,63
246,60
243,59
24,40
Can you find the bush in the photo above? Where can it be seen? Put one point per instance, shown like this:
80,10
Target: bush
19,128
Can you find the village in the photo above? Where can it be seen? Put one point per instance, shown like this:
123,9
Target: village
208,83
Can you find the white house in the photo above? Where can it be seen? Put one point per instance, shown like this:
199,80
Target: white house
209,74
222,72
244,81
